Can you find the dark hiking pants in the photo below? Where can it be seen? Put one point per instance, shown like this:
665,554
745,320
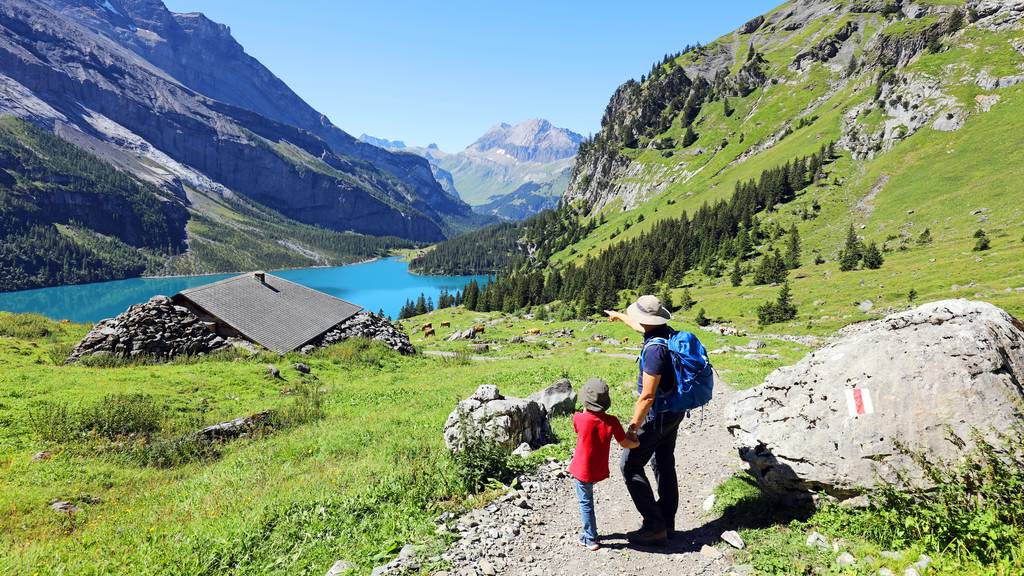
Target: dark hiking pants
657,445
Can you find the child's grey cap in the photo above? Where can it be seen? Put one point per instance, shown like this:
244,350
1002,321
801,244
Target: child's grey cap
594,395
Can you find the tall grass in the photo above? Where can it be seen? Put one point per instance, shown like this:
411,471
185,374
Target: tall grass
26,326
973,514
134,426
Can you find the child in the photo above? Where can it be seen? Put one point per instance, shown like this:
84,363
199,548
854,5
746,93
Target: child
595,430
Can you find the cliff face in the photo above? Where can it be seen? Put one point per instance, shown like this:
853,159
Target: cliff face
712,108
179,95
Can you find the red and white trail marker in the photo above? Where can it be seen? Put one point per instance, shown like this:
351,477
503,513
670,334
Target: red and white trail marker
858,401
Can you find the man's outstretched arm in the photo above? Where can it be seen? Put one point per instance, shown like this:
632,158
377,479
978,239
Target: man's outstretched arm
613,315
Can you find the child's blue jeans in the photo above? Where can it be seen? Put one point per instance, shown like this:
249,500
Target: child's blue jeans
585,494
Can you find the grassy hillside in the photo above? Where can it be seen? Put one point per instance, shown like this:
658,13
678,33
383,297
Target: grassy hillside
68,217
922,110
354,468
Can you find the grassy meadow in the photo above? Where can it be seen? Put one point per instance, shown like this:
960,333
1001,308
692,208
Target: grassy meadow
368,475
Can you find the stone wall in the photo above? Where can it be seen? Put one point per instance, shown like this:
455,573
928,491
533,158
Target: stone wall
365,325
156,328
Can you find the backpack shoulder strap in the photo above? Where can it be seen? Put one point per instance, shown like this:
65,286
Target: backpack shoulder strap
658,341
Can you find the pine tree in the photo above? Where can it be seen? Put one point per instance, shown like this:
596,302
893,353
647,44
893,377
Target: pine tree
471,295
793,249
873,259
676,271
983,242
689,137
701,319
421,305
737,274
687,301
781,310
666,298
850,256
727,108
925,238
771,270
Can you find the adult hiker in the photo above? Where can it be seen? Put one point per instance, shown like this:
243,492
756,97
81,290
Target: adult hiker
660,408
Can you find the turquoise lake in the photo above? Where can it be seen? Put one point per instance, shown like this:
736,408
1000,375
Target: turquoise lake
382,284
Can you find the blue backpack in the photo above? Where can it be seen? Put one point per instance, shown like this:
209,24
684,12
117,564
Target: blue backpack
694,374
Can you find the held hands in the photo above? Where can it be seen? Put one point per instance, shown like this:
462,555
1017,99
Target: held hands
631,433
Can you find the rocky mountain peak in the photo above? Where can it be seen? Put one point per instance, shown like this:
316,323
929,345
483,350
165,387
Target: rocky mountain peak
535,140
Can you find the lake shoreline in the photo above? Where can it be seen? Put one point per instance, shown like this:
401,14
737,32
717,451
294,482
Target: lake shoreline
381,283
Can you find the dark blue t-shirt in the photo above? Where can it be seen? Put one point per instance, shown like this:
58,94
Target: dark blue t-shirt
657,360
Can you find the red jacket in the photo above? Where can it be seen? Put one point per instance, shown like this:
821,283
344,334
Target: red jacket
594,433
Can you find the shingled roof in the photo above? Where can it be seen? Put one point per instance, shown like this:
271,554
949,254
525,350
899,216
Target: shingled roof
271,311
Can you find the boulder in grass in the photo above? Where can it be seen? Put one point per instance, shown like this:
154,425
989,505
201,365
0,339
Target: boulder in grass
558,399
831,423
492,417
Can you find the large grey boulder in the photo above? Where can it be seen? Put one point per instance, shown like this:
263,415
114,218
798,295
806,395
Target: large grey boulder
558,399
489,415
830,423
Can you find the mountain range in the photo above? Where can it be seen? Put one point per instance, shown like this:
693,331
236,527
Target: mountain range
875,143
511,171
215,137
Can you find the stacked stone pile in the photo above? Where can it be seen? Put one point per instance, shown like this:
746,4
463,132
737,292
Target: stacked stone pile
156,328
366,325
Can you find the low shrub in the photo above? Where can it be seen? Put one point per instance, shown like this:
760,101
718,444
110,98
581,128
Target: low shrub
26,326
173,451
307,406
58,353
481,461
975,510
362,351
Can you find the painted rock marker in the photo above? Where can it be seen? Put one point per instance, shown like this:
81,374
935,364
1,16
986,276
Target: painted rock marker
858,402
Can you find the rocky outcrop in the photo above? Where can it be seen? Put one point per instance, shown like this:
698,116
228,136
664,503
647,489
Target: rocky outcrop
489,416
827,48
366,325
155,329
752,25
831,423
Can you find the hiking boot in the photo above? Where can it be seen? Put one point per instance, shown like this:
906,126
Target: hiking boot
647,537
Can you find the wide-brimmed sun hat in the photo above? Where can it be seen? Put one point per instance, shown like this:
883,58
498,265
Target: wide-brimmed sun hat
648,311
594,395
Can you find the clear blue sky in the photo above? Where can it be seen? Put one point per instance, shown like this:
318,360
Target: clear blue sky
444,71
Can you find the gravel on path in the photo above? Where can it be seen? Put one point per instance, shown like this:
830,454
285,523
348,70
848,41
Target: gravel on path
534,530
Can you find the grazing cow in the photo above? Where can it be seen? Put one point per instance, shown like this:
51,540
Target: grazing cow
533,331
428,332
625,340
478,329
598,338
446,324
428,326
